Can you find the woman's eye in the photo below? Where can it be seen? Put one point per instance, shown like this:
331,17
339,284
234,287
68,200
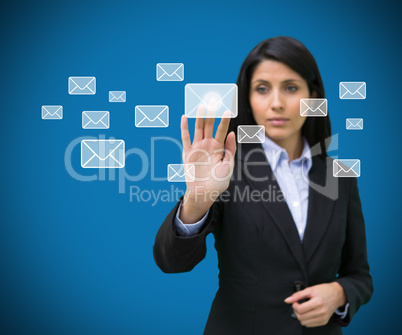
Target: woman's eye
261,89
291,88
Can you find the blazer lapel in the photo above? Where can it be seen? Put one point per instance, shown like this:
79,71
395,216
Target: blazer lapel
260,177
320,205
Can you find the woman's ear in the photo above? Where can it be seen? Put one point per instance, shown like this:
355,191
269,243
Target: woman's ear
314,95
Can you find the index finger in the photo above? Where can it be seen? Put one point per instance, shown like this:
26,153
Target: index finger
299,295
305,307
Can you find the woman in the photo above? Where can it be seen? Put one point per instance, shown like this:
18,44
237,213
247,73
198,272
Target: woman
292,262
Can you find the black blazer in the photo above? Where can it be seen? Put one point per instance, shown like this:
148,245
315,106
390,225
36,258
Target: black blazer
260,253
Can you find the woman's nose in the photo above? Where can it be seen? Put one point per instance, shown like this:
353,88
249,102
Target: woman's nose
277,103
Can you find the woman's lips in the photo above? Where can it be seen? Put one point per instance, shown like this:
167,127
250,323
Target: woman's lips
280,121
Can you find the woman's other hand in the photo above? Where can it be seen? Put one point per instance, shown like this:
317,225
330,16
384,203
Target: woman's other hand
323,301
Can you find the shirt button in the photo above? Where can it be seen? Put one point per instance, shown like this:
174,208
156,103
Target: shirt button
296,203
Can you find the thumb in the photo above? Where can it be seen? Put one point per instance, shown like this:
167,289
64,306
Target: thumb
230,146
303,294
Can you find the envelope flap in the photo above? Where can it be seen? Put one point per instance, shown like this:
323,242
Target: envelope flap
52,110
170,68
352,87
82,82
217,91
313,104
152,112
117,94
355,122
251,131
180,169
95,117
347,165
103,149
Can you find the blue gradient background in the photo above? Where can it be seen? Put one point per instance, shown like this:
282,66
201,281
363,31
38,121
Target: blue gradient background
76,257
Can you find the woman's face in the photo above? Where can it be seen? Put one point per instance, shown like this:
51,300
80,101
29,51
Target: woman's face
275,94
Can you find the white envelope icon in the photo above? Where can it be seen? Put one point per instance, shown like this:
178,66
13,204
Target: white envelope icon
151,116
108,154
52,112
117,96
352,90
169,72
251,134
222,97
346,168
81,85
313,107
95,120
354,124
179,172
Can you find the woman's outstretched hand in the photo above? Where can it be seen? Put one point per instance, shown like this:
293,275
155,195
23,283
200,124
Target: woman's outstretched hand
213,160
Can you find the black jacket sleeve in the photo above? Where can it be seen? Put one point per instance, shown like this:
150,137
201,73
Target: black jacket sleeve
354,274
174,253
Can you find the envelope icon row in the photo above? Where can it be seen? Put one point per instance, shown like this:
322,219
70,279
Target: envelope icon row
151,116
352,90
354,124
52,112
346,168
216,98
313,107
81,85
181,172
117,96
95,120
251,134
106,154
169,72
